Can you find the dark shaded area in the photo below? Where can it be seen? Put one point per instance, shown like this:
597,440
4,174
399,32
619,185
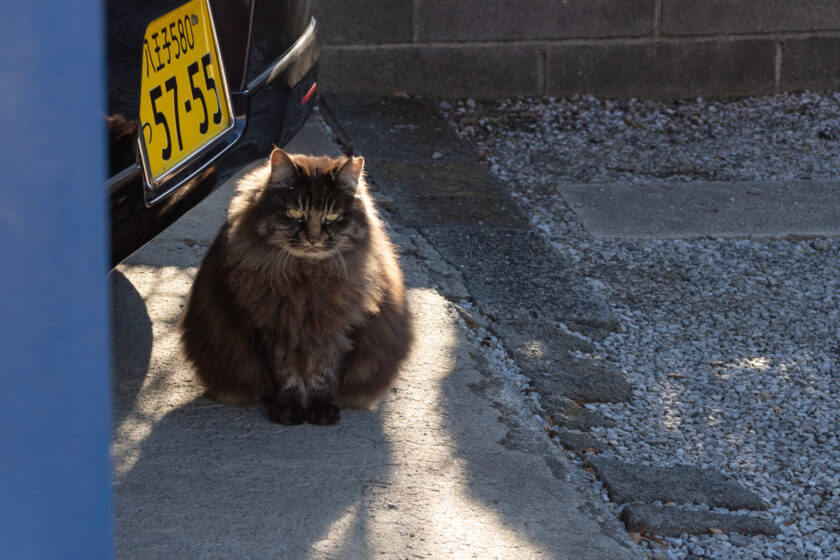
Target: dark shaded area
247,502
133,224
348,22
440,188
661,70
131,344
512,20
122,143
215,481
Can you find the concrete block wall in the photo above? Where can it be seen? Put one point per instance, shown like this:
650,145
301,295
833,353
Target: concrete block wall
612,48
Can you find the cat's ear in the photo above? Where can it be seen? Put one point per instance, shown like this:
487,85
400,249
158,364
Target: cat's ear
282,168
350,173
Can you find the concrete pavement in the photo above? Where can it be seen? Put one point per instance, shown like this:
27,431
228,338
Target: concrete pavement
449,466
708,209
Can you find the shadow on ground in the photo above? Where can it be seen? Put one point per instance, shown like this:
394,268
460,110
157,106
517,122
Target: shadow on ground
131,342
194,479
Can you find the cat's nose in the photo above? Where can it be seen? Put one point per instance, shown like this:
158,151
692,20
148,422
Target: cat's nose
313,231
311,239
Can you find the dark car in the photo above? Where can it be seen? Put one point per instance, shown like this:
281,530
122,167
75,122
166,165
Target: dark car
196,89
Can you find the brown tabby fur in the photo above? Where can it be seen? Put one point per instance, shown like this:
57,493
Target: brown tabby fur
304,312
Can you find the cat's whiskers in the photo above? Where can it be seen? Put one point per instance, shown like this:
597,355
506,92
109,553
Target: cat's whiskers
286,256
278,269
336,256
274,268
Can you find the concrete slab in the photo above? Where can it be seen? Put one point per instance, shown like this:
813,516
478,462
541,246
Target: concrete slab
708,209
559,373
682,484
424,476
569,414
550,359
671,521
580,442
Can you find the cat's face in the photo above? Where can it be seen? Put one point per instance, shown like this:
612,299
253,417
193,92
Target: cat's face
310,208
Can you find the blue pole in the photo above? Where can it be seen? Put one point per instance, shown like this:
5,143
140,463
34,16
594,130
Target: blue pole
55,498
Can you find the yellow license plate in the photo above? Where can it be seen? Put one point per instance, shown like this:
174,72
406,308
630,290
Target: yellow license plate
184,102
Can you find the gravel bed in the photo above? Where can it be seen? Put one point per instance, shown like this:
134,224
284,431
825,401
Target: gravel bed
732,346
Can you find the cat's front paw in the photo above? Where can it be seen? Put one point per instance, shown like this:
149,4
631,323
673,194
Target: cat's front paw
287,414
323,413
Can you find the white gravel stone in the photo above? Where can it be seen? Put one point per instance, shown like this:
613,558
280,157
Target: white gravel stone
733,347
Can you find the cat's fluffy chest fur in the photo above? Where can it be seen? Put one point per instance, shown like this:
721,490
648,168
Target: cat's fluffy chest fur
300,300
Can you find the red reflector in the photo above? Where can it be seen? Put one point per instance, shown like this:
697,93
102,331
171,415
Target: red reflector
309,94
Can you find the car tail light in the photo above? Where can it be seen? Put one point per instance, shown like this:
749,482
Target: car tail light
309,94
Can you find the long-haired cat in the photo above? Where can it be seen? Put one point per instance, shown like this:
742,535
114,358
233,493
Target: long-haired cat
300,300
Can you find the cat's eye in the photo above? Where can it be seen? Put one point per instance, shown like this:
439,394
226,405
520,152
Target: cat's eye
295,213
332,217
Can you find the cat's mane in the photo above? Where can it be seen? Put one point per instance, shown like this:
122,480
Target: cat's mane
260,320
